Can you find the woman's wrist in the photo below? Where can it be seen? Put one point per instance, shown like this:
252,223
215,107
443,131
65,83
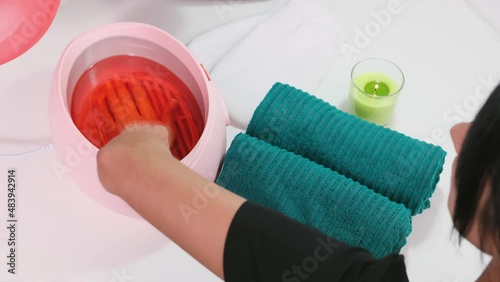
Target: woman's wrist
131,159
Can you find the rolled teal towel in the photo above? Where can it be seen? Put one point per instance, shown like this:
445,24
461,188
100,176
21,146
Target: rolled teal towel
315,195
401,168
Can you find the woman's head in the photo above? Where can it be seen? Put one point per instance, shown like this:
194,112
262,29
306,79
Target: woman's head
475,193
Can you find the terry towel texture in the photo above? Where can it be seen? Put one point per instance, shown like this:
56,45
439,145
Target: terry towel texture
355,181
401,168
315,195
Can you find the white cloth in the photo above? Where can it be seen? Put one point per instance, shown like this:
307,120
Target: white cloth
211,46
245,58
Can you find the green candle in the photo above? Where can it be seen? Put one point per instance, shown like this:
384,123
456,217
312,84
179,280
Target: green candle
373,97
378,88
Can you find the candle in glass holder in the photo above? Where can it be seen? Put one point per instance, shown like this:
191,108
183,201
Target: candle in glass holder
375,88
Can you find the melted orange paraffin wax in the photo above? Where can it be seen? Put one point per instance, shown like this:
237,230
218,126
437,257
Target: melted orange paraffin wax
125,90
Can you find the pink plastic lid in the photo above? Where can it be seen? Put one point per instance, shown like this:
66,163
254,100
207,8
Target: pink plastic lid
22,24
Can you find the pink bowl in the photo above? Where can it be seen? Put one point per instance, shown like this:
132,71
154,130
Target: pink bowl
22,24
77,156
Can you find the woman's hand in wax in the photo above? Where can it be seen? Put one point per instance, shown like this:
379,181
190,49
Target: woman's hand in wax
119,103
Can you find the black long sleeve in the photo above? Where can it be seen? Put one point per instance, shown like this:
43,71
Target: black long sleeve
264,245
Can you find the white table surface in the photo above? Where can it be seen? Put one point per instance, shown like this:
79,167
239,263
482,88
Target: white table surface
444,48
487,9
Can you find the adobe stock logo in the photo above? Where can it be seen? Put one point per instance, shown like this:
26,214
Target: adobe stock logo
73,158
32,25
222,7
200,201
364,36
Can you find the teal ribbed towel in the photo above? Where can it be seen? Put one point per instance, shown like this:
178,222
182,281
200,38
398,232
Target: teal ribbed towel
392,164
315,195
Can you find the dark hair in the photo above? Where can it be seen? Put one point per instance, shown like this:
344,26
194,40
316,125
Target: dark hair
479,164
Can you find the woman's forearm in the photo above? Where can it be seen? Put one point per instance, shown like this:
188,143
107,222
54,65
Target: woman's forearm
192,211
